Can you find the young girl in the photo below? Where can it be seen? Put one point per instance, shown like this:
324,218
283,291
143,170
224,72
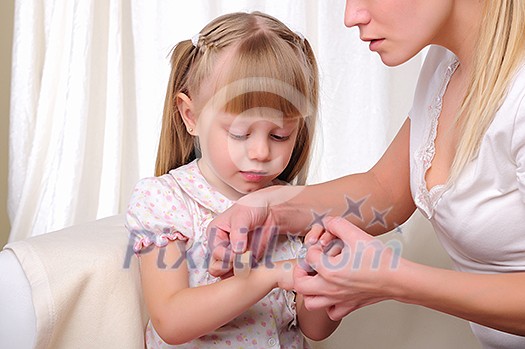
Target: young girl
239,116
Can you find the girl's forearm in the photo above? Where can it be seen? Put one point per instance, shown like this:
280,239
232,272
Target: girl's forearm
493,300
315,324
185,319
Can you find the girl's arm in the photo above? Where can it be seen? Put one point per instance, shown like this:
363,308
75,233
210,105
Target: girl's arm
180,313
315,324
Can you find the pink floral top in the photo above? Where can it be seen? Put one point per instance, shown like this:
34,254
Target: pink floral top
180,205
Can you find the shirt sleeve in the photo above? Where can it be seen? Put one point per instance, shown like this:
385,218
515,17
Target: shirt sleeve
157,213
518,148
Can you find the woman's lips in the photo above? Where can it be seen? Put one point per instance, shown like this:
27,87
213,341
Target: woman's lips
374,44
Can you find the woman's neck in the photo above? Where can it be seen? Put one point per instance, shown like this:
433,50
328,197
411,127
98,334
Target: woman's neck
462,31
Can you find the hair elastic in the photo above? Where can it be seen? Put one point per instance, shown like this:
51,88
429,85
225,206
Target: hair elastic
195,40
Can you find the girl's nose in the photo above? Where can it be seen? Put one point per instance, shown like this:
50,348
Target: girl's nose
258,149
356,13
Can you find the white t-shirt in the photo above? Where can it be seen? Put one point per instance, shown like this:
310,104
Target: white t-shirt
480,218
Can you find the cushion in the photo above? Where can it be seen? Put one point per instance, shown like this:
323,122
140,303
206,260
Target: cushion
85,286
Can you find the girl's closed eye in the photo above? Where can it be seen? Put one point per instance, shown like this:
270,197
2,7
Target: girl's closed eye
238,136
279,138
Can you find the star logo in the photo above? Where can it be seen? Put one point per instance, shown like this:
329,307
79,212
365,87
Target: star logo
379,217
318,218
354,207
398,229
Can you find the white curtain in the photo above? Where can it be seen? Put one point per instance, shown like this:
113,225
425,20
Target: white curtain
88,84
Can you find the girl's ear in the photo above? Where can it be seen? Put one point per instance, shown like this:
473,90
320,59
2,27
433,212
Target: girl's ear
187,111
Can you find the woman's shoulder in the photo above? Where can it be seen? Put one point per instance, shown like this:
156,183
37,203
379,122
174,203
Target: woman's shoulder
514,101
517,85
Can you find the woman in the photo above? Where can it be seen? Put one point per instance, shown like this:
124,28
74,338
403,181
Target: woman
459,158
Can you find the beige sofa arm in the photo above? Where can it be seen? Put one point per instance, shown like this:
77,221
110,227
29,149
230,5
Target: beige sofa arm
85,287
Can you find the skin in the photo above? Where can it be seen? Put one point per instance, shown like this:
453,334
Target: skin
257,150
240,154
403,28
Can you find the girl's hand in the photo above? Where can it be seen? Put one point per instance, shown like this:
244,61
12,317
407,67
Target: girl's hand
362,272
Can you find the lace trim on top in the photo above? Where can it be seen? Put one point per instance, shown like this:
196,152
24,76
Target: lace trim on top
427,200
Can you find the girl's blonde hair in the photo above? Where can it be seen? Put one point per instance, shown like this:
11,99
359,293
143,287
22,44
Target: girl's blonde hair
499,53
271,67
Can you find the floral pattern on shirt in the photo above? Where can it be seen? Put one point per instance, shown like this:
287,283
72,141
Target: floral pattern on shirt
180,205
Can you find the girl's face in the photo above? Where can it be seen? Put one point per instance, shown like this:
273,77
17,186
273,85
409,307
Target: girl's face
398,29
243,153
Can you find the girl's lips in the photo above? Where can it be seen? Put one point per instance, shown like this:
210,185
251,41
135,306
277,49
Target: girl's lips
374,44
253,176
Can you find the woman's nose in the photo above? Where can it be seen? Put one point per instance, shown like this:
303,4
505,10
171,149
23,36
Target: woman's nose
356,13
258,149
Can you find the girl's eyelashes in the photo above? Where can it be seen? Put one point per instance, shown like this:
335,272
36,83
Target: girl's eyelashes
242,137
279,138
238,137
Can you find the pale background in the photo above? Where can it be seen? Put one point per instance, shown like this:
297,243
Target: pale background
6,32
386,325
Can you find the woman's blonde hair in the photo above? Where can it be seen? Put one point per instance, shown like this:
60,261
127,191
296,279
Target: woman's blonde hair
271,67
499,53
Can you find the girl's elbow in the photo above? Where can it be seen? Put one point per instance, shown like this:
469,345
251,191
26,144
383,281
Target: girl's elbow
318,334
169,332
315,338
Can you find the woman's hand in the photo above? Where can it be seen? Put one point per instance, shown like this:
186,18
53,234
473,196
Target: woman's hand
354,271
248,224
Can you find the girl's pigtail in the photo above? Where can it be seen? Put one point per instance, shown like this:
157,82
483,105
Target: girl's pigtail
176,145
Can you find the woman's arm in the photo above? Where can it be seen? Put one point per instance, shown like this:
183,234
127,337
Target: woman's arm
180,313
493,300
376,201
367,271
360,198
